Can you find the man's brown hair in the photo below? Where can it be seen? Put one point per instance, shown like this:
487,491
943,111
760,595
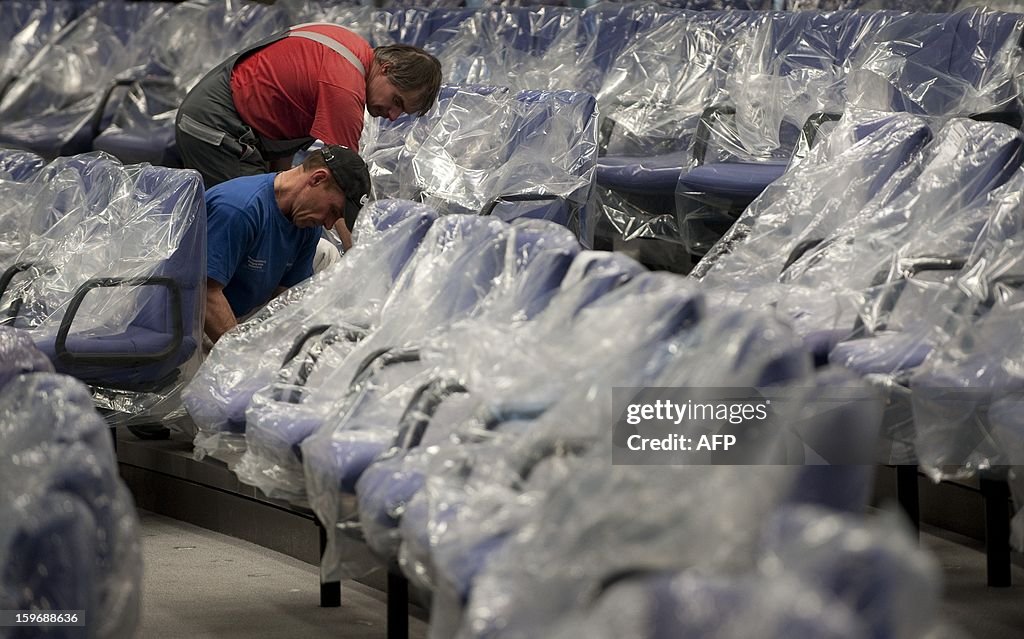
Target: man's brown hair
412,69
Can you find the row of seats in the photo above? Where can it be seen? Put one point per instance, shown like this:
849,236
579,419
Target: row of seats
893,251
700,110
69,534
104,268
762,87
453,410
485,150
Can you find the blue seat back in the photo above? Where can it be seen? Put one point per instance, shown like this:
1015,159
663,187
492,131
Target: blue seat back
20,166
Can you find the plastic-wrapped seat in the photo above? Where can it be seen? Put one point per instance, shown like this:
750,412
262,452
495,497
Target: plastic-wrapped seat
387,234
25,27
849,248
904,318
389,146
509,394
484,151
457,265
34,206
173,52
540,256
19,355
494,366
113,290
789,69
69,536
19,166
572,436
56,106
855,580
365,421
528,155
651,100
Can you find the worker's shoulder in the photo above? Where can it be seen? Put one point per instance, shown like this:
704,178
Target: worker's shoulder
249,194
350,39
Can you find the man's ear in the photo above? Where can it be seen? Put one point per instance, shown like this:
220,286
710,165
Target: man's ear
318,176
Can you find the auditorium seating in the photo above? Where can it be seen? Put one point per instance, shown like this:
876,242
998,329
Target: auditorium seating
70,539
443,395
108,276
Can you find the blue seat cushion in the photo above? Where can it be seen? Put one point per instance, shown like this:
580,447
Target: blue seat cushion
631,174
882,354
135,147
135,340
740,181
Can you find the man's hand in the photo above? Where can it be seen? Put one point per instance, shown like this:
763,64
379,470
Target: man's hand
219,317
344,234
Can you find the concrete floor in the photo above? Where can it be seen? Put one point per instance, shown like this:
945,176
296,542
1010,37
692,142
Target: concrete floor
199,583
974,609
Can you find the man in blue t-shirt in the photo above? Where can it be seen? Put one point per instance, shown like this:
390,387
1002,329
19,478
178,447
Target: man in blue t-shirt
262,230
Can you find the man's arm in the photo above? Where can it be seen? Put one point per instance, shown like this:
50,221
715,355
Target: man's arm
219,316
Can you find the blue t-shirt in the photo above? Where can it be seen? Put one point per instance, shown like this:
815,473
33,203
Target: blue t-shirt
252,248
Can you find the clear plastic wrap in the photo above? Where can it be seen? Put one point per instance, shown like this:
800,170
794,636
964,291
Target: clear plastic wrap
522,48
55,105
476,497
69,537
784,71
951,64
586,530
651,101
356,18
489,361
25,27
109,277
19,166
905,205
388,147
921,304
366,419
18,355
839,177
817,574
873,566
531,154
171,53
256,353
457,265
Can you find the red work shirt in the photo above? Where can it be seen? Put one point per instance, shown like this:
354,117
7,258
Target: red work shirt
297,88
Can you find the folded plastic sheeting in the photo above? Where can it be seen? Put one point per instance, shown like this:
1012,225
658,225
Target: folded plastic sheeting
530,154
69,536
107,275
345,299
815,573
56,102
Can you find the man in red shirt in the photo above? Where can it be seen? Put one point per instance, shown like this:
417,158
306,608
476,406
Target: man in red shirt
256,109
